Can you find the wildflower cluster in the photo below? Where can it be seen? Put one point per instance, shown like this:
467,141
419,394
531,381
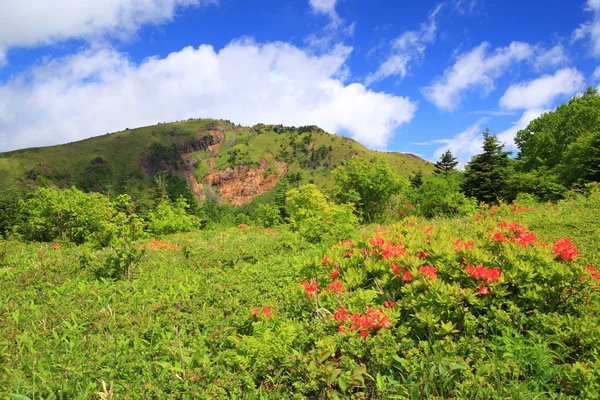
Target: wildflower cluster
565,249
154,244
514,233
265,312
592,271
371,320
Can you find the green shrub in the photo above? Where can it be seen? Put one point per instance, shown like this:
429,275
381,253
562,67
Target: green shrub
171,218
441,196
316,218
369,185
68,215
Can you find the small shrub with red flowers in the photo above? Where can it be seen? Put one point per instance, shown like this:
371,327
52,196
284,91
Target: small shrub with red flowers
421,311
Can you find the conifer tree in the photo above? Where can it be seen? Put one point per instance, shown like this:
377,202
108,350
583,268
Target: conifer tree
486,175
416,179
446,164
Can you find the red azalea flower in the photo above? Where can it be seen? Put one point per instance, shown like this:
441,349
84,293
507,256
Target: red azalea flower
478,216
255,312
592,271
460,245
348,253
56,246
311,288
267,311
395,269
406,277
499,237
429,271
364,334
483,290
325,261
389,304
422,254
480,272
392,251
565,249
336,286
341,329
341,314
334,274
377,241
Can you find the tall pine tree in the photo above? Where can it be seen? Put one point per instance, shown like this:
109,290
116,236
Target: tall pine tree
486,175
446,164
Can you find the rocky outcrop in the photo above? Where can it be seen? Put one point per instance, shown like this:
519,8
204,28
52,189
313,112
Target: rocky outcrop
241,184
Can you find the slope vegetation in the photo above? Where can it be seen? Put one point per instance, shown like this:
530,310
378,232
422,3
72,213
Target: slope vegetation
215,158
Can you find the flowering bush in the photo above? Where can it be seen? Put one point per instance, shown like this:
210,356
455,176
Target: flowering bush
399,300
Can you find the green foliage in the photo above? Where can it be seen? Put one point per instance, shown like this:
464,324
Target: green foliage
486,175
566,141
10,211
369,185
172,217
540,183
446,164
268,215
67,215
441,196
224,314
581,160
316,218
416,179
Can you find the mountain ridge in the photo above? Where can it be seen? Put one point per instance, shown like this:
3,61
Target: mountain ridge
214,158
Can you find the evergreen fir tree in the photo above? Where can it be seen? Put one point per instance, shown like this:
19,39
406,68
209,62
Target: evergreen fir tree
446,164
486,175
416,179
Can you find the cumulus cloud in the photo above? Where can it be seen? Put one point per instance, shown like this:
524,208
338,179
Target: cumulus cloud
543,91
508,136
479,69
590,29
468,143
100,91
325,7
464,144
408,47
475,69
41,22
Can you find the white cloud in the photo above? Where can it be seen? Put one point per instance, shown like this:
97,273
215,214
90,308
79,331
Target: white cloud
494,113
542,91
555,56
100,91
463,145
591,28
41,22
408,47
469,142
325,7
479,69
596,74
508,136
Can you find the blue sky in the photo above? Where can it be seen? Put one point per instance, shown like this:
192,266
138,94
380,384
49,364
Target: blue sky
407,76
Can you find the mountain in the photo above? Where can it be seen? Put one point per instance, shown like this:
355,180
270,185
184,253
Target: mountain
215,158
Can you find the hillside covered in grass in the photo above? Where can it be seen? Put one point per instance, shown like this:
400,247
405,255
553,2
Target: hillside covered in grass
215,159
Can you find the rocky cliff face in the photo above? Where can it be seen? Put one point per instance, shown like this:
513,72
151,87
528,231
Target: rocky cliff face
238,185
241,184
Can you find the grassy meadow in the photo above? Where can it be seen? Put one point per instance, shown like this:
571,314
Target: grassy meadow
255,313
